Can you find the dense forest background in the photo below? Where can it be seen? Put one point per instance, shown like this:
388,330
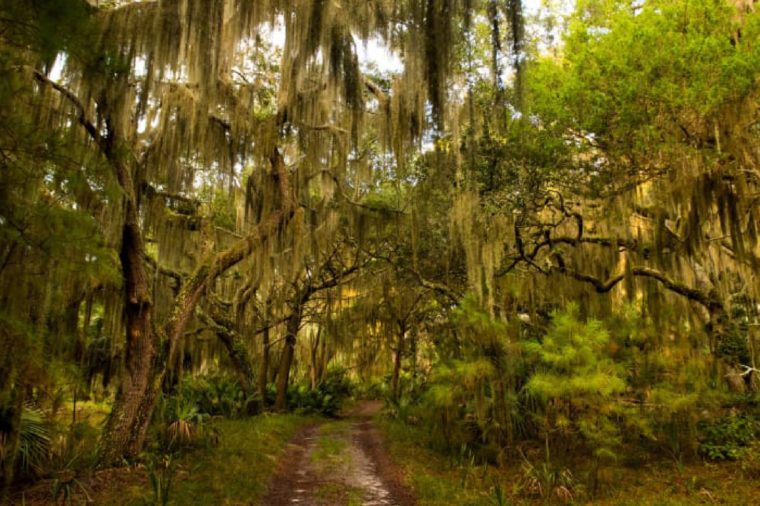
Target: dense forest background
531,229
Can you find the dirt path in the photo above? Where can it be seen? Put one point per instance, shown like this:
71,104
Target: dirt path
340,462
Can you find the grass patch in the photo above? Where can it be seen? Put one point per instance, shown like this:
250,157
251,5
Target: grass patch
236,471
331,444
327,449
433,477
438,479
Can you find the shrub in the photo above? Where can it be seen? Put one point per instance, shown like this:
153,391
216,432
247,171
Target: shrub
726,438
578,384
34,441
547,481
372,389
161,471
327,399
216,395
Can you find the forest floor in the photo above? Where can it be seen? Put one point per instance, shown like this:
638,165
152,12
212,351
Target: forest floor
438,479
364,459
235,470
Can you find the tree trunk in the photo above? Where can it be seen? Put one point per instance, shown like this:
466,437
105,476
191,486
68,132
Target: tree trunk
127,425
224,328
144,370
398,355
322,361
264,372
314,355
13,434
286,361
241,360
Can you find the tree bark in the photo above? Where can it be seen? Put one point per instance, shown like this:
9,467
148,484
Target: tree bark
8,461
264,372
314,355
398,355
127,425
283,377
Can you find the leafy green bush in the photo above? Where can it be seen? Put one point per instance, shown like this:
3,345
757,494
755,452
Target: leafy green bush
578,384
327,398
217,395
373,389
547,481
726,438
65,470
34,441
73,453
161,470
470,394
179,423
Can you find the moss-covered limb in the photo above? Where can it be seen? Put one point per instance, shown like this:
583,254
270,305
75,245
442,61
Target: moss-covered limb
452,294
73,99
241,360
177,276
729,346
151,192
207,272
377,91
708,299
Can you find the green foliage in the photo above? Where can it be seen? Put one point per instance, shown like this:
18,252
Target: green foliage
182,417
215,395
219,207
547,481
34,441
66,482
727,438
185,423
73,455
327,399
161,472
577,382
375,388
573,360
238,469
49,26
624,70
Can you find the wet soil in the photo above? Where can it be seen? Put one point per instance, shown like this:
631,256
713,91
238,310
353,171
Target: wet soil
342,462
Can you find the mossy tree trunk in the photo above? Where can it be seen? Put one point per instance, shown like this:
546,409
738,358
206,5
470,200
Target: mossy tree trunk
286,362
398,355
127,426
145,369
13,436
264,372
